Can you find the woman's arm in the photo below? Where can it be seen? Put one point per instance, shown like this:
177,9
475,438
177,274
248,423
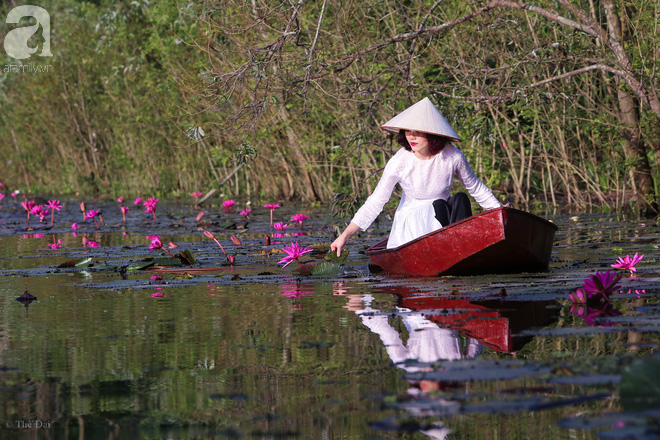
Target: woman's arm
374,203
339,243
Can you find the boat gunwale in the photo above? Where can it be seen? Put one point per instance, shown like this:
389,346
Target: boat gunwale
377,250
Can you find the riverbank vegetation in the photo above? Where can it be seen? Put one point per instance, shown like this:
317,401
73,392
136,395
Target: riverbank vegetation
555,102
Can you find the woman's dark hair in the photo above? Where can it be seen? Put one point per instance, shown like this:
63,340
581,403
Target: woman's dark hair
436,143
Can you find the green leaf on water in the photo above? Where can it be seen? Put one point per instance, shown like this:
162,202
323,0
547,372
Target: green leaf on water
187,256
617,250
167,261
327,269
140,266
332,256
640,388
84,262
650,247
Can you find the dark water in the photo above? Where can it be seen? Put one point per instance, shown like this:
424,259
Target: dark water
252,350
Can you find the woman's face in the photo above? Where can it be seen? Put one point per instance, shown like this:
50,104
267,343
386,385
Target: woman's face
419,143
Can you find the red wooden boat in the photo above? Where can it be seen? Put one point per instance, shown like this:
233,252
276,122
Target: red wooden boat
502,240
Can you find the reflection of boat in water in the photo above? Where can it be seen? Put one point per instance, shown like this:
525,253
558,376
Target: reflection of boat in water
502,240
445,336
495,323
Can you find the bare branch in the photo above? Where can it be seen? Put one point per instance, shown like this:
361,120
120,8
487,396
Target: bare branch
347,60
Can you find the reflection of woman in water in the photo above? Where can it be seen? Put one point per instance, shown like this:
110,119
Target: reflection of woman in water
427,343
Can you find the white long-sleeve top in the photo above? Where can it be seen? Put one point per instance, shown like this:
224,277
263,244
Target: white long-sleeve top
422,182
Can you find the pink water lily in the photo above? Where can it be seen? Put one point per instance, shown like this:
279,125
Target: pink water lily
280,226
150,206
246,213
157,244
209,234
298,218
28,205
2,196
74,226
603,284
120,199
15,193
596,289
92,213
124,210
293,251
228,205
54,205
196,195
137,201
628,262
272,207
40,211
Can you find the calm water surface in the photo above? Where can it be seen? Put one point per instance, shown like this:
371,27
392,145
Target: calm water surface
256,351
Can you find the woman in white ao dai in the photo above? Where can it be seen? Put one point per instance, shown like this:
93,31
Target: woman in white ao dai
425,170
422,182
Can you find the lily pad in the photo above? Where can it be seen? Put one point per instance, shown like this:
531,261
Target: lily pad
140,266
187,256
327,269
332,256
167,261
84,262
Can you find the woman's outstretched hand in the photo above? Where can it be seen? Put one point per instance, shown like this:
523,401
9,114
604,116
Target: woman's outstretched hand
340,242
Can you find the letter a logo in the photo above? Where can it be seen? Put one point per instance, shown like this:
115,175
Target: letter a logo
16,41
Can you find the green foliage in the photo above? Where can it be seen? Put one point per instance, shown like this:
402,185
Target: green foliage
170,97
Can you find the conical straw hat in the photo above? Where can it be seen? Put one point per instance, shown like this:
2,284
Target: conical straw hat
423,117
